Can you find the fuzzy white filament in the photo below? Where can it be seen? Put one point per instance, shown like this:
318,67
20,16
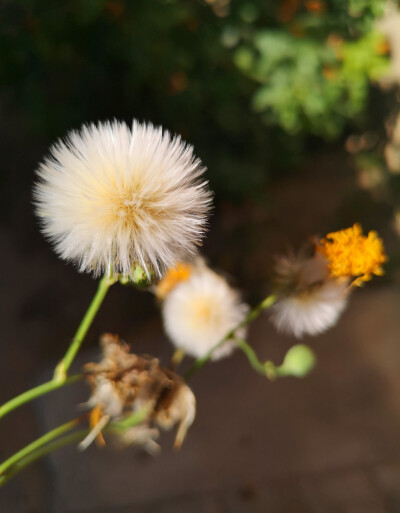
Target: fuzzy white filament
309,300
311,313
199,312
110,197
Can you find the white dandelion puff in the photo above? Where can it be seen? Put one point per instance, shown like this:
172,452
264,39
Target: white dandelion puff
110,197
200,311
309,300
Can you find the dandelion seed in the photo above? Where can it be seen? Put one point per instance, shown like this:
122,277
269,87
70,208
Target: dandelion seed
199,311
110,197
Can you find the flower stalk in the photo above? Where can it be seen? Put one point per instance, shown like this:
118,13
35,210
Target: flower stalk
53,440
37,444
267,368
36,392
60,377
40,452
61,371
297,362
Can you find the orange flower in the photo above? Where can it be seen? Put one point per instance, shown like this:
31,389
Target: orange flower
181,272
351,254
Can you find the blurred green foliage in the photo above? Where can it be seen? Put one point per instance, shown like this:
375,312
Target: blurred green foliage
307,86
246,81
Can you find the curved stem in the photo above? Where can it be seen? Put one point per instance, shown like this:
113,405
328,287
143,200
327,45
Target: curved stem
177,358
61,370
38,443
60,374
267,368
46,444
251,316
40,452
251,356
38,391
132,420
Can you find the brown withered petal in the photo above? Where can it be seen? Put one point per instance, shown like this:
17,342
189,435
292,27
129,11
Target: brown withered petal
123,382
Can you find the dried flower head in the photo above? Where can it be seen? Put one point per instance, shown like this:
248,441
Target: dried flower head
351,254
309,301
199,311
123,383
110,197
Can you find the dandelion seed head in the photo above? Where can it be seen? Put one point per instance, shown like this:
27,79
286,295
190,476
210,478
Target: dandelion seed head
110,197
312,313
199,312
309,301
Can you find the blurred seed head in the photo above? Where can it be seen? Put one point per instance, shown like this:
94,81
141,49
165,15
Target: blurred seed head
309,301
199,311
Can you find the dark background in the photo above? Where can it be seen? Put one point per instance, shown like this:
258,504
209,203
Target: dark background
290,107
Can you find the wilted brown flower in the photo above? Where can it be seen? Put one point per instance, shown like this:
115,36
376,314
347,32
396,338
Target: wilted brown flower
123,383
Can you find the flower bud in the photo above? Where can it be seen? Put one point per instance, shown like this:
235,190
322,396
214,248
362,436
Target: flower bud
298,361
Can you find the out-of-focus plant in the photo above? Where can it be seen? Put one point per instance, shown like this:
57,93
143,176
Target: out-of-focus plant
376,155
257,76
130,205
311,86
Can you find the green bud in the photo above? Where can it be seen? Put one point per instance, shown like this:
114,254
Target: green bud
298,361
139,276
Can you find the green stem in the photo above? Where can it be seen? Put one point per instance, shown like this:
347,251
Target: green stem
42,447
33,393
177,358
40,452
38,443
60,374
267,368
250,317
131,421
105,283
251,356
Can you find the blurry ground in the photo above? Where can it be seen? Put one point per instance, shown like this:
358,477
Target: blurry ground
327,444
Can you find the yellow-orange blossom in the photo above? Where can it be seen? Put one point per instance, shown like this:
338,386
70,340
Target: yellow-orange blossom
174,275
352,254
